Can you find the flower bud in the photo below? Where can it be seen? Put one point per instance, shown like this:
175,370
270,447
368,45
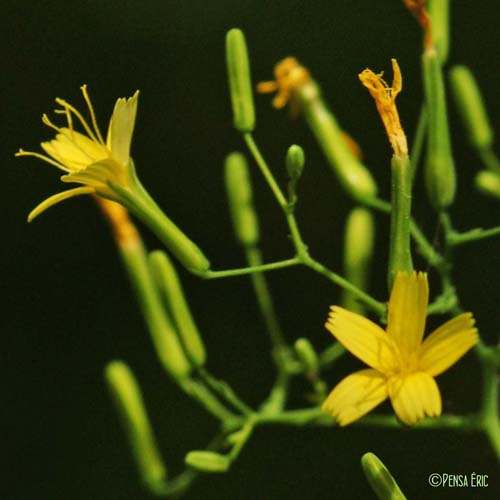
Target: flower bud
163,333
439,13
440,167
380,479
471,107
358,249
488,183
129,403
239,193
240,84
168,282
207,461
307,355
295,160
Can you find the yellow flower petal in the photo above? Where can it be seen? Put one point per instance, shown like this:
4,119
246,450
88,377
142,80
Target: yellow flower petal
414,396
446,345
363,338
121,128
407,311
56,198
356,395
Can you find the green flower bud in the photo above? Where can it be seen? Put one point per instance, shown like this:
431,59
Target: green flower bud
168,282
380,479
239,193
488,183
163,333
307,355
358,251
129,403
207,461
470,104
240,83
439,12
439,168
295,160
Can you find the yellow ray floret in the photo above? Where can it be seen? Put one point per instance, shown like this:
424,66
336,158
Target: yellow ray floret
402,364
385,100
84,157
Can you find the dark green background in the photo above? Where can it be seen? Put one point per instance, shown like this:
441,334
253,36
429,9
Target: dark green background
67,309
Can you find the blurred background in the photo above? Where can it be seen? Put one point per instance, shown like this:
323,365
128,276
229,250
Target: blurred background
67,307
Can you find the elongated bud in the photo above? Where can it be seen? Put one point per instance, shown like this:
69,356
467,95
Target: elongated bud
380,479
439,13
358,250
488,183
471,107
160,326
307,355
207,461
295,160
240,83
439,167
129,403
239,193
168,282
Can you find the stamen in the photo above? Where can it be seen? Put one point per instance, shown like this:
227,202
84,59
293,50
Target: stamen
85,125
92,112
46,121
66,112
60,166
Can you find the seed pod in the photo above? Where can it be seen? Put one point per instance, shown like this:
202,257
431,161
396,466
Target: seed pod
130,405
168,282
240,83
471,107
239,193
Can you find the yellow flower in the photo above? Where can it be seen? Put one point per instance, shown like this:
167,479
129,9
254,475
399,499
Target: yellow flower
403,366
85,158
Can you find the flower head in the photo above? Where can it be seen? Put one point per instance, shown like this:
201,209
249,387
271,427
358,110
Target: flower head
290,76
402,364
86,158
385,100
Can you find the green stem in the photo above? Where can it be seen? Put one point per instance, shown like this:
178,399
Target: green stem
252,146
418,141
249,270
206,399
174,487
331,354
264,299
315,416
372,303
225,391
455,238
399,249
424,246
490,408
489,159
